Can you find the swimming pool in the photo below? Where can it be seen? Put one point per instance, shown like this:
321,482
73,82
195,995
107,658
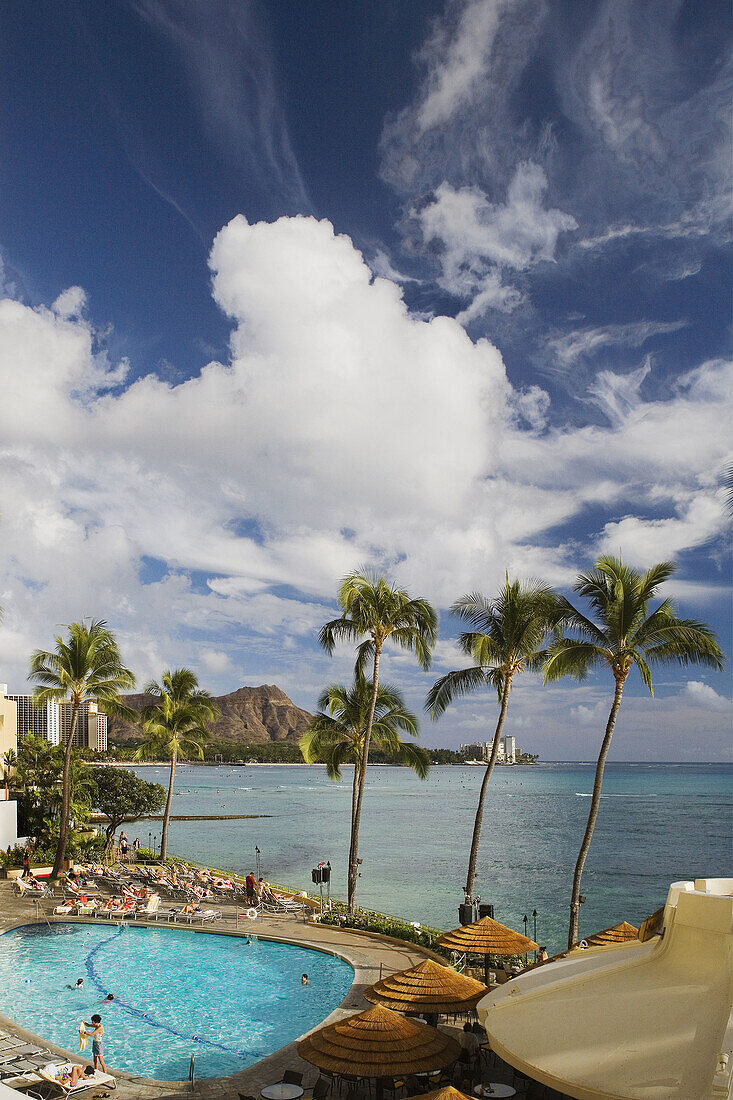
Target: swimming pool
177,993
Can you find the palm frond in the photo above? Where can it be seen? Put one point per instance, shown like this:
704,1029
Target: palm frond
570,657
454,685
338,630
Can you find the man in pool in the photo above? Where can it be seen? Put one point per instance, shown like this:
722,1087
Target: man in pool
304,980
79,984
97,1037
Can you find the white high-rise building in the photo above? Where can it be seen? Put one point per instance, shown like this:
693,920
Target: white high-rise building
37,721
91,725
8,743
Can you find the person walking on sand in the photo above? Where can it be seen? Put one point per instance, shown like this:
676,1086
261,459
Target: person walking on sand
97,1037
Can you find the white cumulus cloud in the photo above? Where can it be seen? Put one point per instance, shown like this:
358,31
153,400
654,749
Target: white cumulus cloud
706,696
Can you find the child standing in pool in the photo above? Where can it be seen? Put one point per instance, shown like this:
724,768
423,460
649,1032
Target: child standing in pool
97,1036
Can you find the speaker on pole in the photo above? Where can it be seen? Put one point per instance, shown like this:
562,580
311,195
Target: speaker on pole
486,910
467,913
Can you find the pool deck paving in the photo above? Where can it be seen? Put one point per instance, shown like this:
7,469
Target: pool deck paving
371,957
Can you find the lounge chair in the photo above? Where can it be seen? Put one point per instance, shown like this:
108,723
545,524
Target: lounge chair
24,889
65,909
150,911
283,906
86,908
96,1080
191,913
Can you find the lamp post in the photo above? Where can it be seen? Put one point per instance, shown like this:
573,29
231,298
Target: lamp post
534,937
525,918
150,842
258,862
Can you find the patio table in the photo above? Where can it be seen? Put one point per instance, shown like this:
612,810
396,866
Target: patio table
281,1091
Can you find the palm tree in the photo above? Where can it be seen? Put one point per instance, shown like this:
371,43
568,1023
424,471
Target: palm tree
622,636
337,737
10,760
175,725
508,636
87,665
374,612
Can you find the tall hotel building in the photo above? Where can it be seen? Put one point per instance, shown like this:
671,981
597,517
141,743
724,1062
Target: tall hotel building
52,722
37,721
91,725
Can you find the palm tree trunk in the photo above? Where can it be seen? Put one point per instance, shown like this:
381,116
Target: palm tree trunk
353,872
473,857
167,811
66,794
354,837
593,814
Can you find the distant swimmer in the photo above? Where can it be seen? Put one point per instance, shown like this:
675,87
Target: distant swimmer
304,980
79,984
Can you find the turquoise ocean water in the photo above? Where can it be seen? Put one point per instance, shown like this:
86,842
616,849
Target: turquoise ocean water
658,823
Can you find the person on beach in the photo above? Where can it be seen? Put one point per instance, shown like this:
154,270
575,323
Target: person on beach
136,845
97,1037
249,885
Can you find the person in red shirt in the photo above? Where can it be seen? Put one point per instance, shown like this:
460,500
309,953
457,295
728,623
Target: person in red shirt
249,885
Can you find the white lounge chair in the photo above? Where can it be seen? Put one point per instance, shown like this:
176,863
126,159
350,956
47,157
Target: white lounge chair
150,911
86,909
53,1071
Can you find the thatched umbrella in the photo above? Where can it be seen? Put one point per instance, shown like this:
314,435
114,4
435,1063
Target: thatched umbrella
378,1043
619,933
448,1093
428,988
486,937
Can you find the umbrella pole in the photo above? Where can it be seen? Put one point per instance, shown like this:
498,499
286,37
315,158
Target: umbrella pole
486,969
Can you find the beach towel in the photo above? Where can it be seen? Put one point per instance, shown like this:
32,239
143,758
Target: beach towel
83,1036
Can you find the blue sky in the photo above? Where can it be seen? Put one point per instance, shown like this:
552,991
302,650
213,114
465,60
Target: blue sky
438,287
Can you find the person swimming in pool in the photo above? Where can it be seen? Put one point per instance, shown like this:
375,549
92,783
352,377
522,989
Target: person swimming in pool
304,980
79,984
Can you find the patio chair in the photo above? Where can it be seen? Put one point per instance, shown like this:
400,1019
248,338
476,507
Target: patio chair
51,1072
292,1077
321,1089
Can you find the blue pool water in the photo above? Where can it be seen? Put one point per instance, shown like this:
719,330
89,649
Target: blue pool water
180,993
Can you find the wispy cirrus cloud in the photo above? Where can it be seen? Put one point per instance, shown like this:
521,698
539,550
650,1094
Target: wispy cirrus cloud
581,343
600,101
225,52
